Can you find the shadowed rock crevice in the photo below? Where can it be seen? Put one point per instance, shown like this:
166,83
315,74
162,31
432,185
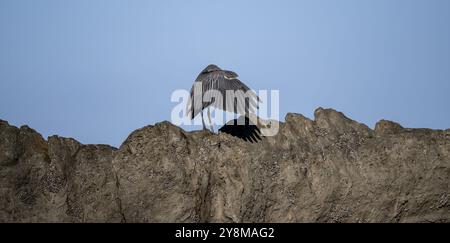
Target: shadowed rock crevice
330,169
118,200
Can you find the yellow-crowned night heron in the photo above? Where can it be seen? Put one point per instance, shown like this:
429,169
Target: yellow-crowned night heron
212,78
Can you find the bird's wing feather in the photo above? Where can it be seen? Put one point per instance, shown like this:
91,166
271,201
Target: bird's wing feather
194,105
227,80
221,81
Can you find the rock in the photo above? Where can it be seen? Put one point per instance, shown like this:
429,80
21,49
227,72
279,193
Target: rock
388,127
330,169
55,181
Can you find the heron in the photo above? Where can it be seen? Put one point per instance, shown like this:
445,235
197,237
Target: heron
244,101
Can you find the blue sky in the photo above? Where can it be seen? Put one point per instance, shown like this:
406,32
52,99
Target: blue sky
96,70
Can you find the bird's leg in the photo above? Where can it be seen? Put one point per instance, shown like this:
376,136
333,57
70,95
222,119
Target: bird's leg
209,118
203,121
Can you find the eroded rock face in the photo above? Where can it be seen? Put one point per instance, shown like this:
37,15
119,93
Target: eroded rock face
330,169
56,181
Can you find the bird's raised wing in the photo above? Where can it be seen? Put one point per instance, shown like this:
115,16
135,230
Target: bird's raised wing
237,97
195,105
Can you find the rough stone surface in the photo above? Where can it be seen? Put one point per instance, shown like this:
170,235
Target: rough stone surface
330,169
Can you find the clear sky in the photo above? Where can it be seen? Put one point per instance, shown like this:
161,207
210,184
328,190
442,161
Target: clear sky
96,70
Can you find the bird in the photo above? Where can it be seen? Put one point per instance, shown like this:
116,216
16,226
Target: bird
212,78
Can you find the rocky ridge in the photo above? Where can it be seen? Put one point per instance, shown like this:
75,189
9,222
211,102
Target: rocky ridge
330,169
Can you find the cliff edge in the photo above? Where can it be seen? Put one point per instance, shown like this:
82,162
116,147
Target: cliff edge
330,169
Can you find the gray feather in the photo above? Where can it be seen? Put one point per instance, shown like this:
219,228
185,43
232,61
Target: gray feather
213,78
